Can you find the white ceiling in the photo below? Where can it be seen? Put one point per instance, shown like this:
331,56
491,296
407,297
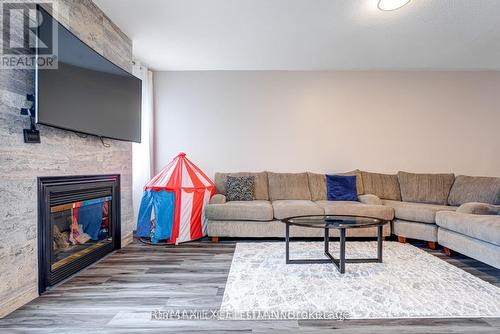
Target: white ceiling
309,34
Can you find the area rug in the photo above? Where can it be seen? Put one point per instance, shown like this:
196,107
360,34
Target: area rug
410,283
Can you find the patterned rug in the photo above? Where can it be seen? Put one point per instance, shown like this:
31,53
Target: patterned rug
410,283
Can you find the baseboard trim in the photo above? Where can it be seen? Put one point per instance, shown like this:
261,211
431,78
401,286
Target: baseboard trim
16,302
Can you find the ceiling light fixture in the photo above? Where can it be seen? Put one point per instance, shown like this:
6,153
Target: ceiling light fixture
387,5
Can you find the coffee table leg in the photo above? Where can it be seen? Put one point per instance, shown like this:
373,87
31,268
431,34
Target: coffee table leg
327,240
287,242
342,250
379,243
341,262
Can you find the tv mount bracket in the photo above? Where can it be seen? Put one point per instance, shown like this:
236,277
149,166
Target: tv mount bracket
31,135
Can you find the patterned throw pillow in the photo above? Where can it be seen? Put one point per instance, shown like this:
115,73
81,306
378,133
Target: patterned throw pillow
240,188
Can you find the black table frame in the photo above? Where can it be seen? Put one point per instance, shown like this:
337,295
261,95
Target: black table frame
339,263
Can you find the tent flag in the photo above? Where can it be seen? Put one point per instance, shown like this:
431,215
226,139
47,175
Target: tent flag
177,196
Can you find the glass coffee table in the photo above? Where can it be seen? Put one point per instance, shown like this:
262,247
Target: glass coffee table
341,223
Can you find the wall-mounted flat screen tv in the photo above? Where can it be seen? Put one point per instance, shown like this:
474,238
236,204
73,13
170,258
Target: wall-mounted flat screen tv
86,93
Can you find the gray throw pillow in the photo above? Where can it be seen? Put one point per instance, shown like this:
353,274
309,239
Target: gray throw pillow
240,188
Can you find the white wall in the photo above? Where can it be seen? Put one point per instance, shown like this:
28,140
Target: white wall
330,121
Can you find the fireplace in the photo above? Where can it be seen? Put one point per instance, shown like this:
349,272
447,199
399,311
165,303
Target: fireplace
78,223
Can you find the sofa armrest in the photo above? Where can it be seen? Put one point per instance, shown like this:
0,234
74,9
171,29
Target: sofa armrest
370,199
218,199
477,208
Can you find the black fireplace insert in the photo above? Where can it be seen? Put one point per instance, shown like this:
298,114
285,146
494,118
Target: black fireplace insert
78,223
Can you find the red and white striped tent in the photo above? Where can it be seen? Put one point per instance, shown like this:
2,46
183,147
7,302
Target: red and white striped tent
178,195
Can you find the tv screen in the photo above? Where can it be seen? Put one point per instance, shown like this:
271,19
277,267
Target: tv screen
86,93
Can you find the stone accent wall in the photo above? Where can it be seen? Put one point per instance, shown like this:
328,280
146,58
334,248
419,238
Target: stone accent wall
60,153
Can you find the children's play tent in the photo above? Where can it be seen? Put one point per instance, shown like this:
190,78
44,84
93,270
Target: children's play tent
178,196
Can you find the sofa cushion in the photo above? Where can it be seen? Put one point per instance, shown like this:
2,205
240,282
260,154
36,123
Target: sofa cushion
240,188
385,186
475,189
479,208
425,188
347,208
240,210
417,212
290,208
288,186
317,184
482,227
260,183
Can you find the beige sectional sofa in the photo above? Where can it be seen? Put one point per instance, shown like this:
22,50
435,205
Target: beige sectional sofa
422,196
474,228
477,236
281,195
437,208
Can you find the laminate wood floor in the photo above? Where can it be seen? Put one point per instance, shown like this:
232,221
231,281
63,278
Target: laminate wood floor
117,295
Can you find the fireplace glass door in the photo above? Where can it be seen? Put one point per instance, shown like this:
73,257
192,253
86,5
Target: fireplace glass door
78,224
79,228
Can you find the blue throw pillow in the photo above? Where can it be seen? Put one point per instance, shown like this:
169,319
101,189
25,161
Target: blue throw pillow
341,188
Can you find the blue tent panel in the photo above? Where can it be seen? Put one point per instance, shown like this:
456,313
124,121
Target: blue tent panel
144,217
163,204
164,214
